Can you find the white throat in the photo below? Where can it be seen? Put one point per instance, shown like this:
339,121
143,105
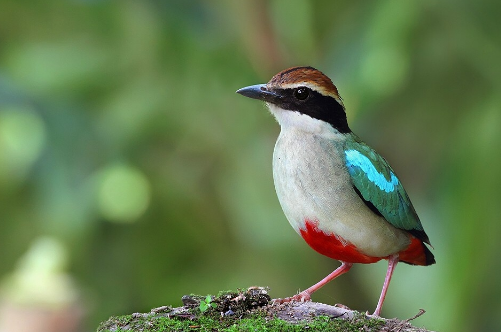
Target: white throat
299,121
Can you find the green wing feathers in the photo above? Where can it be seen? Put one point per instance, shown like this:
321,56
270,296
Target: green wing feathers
380,188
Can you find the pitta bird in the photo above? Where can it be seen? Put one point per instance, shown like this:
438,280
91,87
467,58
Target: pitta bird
338,193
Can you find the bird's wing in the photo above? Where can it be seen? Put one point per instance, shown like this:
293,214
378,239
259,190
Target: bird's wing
376,183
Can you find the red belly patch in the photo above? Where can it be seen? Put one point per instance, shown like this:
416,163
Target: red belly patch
333,246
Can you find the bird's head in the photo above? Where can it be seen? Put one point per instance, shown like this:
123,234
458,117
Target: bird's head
301,96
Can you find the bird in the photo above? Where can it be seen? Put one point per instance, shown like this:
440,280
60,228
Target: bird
338,193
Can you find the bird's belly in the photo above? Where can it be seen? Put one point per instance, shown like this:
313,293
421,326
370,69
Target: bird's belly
332,245
318,199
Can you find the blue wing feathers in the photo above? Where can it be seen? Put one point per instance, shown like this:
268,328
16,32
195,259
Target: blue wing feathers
355,159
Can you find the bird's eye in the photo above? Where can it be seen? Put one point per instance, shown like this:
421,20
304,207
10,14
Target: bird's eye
301,93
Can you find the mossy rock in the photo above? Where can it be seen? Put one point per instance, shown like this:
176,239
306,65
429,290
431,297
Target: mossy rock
250,310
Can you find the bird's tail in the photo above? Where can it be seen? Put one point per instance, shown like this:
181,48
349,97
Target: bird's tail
417,253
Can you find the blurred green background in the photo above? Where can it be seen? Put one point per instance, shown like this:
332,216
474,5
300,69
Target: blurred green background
132,174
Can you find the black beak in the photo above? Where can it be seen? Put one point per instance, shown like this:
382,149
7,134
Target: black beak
261,92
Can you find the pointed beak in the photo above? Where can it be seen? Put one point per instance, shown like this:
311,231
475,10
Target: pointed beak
261,92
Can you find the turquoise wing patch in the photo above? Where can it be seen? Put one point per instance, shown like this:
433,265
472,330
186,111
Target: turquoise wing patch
377,183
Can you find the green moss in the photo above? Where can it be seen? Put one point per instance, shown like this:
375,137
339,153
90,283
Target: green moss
252,323
233,311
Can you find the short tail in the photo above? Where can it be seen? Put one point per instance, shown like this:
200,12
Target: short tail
417,253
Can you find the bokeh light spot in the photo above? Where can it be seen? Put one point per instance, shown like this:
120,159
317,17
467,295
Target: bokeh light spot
124,193
40,277
22,137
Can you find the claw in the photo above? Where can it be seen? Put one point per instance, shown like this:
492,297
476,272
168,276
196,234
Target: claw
301,297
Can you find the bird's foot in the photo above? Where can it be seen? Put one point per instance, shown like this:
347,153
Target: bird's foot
301,297
373,315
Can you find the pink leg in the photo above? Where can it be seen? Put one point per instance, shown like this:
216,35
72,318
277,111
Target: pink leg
392,262
306,294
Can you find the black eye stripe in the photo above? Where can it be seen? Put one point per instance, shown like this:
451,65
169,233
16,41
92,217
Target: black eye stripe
315,105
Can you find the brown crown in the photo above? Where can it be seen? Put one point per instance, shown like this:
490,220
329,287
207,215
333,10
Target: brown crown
307,76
